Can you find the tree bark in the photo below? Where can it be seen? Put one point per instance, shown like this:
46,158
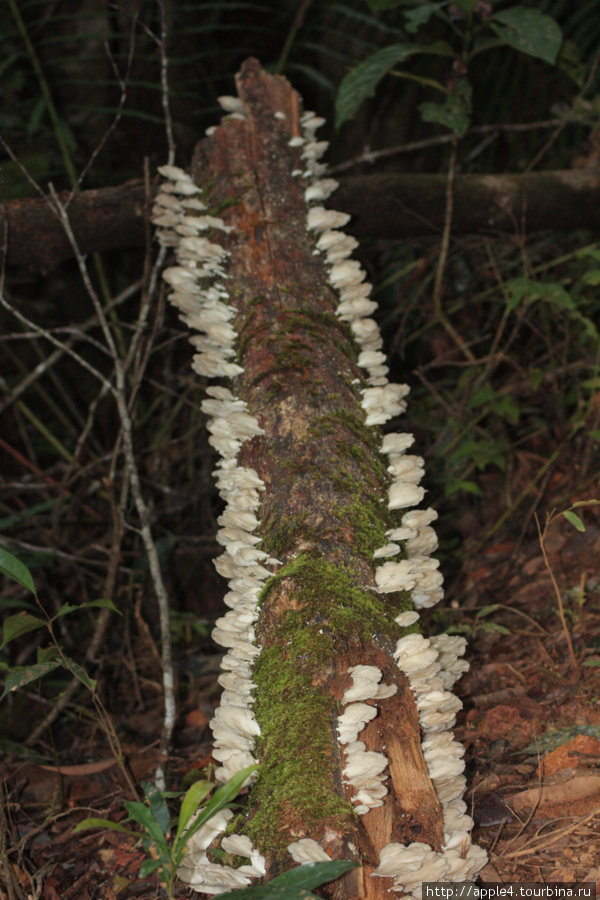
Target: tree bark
387,207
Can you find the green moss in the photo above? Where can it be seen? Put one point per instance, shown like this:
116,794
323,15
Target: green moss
329,594
370,467
290,356
331,422
367,522
296,778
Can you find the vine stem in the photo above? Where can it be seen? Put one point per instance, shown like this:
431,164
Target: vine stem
561,610
440,315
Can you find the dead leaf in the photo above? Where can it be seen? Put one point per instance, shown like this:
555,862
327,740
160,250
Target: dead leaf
568,789
83,768
573,754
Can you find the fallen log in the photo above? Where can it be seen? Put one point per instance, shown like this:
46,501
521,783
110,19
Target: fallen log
328,682
386,207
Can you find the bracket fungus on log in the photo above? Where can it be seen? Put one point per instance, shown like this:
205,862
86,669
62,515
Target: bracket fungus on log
328,682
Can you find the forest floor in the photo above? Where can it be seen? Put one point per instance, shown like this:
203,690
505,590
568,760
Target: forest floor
531,725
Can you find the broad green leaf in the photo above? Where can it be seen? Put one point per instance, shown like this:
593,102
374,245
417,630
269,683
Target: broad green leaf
591,663
190,803
362,81
586,502
574,519
295,884
93,822
158,807
142,815
19,624
14,568
454,113
530,31
19,676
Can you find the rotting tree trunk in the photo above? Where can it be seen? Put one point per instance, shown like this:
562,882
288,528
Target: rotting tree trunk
323,512
325,614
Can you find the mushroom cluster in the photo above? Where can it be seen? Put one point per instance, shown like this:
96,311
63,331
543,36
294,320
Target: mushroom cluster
199,291
404,564
364,769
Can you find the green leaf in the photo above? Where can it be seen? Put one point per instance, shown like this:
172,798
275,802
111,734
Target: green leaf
488,610
45,653
530,31
466,6
570,63
143,816
93,822
481,396
36,117
158,807
362,81
454,113
190,803
19,676
14,568
101,603
591,663
420,15
15,603
592,277
68,608
295,884
19,624
81,674
574,519
492,627
149,866
469,487
221,798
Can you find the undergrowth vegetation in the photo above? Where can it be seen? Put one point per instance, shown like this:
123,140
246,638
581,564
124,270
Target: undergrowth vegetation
105,471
